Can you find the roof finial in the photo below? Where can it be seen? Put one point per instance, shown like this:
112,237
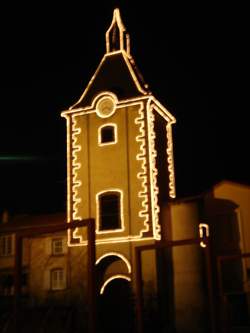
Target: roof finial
116,36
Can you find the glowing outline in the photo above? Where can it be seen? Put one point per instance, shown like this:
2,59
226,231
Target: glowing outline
116,254
142,175
100,99
98,231
154,190
114,125
152,170
118,276
122,32
169,118
75,179
170,155
170,160
201,233
131,71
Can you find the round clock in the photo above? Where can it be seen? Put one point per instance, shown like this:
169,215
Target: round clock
105,107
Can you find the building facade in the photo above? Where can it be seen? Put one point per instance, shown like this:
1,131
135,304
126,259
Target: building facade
120,172
120,158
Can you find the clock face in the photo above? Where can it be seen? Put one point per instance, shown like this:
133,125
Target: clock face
105,107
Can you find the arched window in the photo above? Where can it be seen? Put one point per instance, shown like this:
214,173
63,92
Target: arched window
107,134
109,210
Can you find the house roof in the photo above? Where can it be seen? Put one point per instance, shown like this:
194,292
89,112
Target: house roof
232,183
24,222
118,74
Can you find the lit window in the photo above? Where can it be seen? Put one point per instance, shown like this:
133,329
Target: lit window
107,135
57,246
57,279
110,211
6,245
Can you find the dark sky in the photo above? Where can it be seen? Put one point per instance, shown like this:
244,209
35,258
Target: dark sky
192,54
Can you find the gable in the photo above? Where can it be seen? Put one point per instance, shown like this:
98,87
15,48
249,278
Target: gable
116,73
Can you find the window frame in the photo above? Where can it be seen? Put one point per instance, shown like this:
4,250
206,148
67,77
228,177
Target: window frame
57,284
100,129
53,247
6,245
101,194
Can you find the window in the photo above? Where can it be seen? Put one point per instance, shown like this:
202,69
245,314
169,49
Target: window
105,107
57,246
110,211
6,245
24,283
107,134
7,283
57,279
248,274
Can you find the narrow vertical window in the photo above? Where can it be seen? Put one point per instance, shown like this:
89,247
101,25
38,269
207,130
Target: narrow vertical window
6,245
110,211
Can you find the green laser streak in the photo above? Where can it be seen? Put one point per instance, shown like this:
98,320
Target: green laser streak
19,158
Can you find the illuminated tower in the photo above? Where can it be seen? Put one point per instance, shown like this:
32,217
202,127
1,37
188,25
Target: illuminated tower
120,155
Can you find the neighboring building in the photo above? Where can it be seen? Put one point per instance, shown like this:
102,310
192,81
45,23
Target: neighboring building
54,273
240,195
225,209
44,257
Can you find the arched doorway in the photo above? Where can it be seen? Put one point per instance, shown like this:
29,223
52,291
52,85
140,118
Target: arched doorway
115,297
116,307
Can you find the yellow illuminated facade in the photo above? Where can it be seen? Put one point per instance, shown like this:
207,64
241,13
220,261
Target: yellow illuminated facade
118,134
120,173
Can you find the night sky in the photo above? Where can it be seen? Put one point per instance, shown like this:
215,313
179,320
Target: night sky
193,55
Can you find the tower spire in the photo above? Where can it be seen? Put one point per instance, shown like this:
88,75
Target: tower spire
116,36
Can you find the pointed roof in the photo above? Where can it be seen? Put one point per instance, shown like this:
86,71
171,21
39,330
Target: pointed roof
117,71
116,36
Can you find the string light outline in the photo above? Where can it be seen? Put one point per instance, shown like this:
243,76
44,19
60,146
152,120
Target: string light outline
154,190
100,143
114,277
116,254
142,175
98,231
151,104
105,97
132,73
170,149
203,226
122,31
